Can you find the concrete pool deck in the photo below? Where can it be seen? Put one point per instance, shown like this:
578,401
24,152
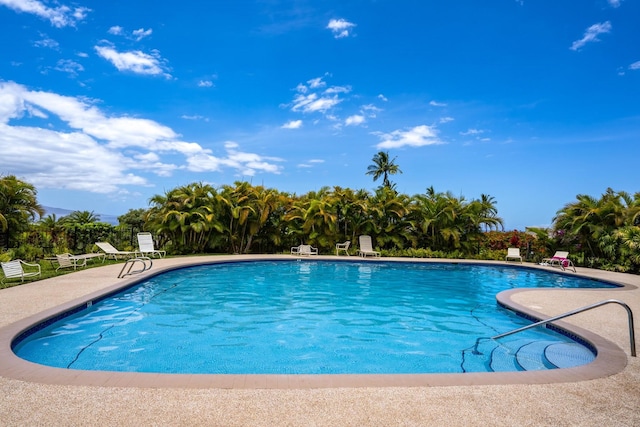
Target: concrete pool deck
610,400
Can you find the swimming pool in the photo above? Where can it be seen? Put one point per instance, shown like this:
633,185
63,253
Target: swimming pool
281,316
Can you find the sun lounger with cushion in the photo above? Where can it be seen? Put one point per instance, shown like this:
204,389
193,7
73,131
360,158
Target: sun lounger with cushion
559,259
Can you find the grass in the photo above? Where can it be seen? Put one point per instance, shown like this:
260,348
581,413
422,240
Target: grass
48,270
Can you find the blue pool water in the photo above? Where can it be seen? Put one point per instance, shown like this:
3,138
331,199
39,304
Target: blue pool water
310,317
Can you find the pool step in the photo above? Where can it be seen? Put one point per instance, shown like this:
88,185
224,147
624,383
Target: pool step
525,355
568,355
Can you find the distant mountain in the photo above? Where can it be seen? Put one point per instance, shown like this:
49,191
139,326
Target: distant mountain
59,212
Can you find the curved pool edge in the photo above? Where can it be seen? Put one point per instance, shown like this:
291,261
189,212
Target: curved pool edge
611,359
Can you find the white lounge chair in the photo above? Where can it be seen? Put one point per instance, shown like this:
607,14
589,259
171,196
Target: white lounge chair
70,261
14,270
112,252
343,247
513,254
146,247
304,250
559,259
366,247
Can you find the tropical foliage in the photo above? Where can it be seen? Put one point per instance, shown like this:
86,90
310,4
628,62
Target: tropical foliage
18,206
242,218
603,232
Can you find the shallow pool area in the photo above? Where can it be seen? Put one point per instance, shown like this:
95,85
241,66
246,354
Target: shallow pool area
310,317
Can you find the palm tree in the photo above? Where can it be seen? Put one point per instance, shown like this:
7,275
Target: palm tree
81,218
52,226
188,215
383,167
18,206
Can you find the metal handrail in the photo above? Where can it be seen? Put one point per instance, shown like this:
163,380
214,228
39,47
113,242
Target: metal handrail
632,337
131,262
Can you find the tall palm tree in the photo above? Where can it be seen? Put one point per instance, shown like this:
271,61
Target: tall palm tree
383,167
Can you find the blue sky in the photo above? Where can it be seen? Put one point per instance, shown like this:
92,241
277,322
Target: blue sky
104,104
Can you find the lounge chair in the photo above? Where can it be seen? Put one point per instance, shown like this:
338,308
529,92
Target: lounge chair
69,261
14,270
112,252
304,250
343,247
145,244
559,259
513,254
366,247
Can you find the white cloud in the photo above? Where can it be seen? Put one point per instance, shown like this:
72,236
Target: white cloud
382,97
340,28
116,30
293,124
141,33
205,83
47,42
311,98
96,152
311,163
313,103
246,164
446,119
354,120
61,16
416,137
194,117
591,35
472,132
69,66
615,3
437,104
635,66
135,61
337,89
316,83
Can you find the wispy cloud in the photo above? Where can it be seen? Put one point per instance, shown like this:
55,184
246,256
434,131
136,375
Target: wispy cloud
591,34
313,97
134,61
418,136
61,16
472,132
205,83
246,164
141,33
437,104
116,30
340,28
46,41
614,3
635,66
311,163
293,124
355,120
69,66
194,117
